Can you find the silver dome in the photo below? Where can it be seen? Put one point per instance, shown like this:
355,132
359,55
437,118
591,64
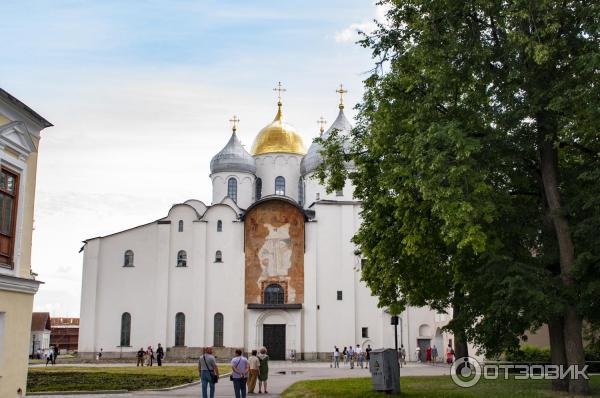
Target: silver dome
313,158
233,157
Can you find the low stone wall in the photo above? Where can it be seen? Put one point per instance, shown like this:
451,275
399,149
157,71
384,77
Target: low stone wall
221,353
316,356
107,355
172,353
190,354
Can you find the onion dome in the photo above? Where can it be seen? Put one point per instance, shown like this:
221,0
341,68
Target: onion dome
233,157
278,136
313,157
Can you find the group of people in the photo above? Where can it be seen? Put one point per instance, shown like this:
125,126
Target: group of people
352,356
50,354
245,372
431,355
148,356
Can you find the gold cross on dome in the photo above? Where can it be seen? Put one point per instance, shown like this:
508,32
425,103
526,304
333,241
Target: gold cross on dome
235,122
341,91
279,89
321,123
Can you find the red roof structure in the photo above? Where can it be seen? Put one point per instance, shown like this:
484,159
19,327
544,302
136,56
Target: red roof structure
40,321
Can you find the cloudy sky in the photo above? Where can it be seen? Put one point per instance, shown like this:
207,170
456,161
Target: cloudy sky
140,93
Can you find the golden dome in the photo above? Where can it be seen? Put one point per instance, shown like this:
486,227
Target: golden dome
278,136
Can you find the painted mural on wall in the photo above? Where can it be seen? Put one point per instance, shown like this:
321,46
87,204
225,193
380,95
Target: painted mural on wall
274,240
275,255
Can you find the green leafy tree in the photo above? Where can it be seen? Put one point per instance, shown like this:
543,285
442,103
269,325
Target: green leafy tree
476,157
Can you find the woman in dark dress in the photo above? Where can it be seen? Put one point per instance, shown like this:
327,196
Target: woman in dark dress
263,370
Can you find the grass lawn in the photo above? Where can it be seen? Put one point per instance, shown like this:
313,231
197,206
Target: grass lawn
75,378
438,386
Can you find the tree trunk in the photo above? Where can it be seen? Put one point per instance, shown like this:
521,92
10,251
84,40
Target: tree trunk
461,348
557,351
572,322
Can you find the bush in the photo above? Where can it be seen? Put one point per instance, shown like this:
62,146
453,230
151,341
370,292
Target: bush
529,353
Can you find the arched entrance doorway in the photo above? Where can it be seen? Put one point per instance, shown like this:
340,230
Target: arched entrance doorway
272,330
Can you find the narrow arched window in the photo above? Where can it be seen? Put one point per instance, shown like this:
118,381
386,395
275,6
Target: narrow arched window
274,294
128,259
182,258
258,189
219,226
218,330
280,186
218,257
125,329
180,329
180,226
232,189
300,191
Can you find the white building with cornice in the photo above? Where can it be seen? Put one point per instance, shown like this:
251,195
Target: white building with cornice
269,262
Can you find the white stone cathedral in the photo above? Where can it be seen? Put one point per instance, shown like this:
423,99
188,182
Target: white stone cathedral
269,263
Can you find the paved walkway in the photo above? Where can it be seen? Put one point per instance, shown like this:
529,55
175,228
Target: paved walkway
281,376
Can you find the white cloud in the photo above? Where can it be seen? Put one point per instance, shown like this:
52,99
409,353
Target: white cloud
351,33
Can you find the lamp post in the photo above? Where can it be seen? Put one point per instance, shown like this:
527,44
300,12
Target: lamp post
394,321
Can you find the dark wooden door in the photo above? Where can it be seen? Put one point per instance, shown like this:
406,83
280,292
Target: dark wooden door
423,345
274,341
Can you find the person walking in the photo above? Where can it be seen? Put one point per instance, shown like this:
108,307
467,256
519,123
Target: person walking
368,351
140,357
160,353
336,357
345,354
434,354
254,364
209,371
418,354
360,357
55,353
239,374
402,354
449,355
100,355
263,370
49,355
351,356
150,356
428,354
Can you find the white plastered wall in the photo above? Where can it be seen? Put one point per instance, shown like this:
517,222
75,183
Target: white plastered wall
272,165
314,191
245,187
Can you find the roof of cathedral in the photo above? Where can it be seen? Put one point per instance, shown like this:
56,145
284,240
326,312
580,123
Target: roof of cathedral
313,157
278,136
308,213
233,157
